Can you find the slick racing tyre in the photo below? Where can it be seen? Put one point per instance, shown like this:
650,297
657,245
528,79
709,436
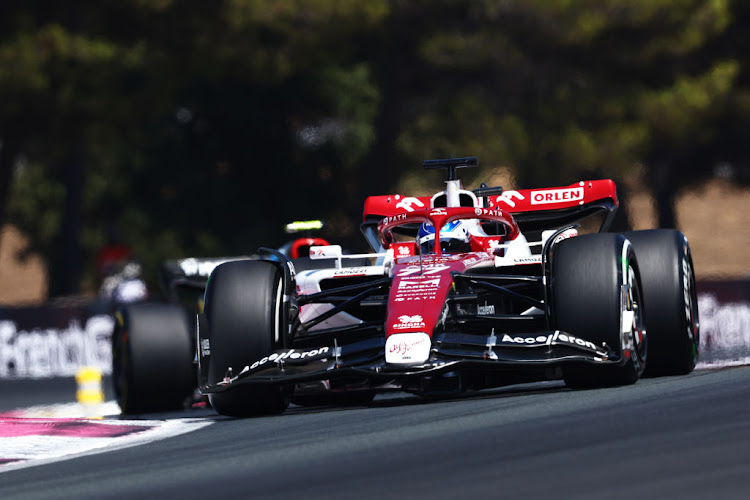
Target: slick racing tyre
152,358
243,312
671,302
595,294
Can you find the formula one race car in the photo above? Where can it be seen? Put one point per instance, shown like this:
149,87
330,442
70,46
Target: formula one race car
465,290
153,343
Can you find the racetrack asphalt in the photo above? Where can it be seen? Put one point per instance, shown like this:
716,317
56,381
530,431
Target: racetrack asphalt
674,437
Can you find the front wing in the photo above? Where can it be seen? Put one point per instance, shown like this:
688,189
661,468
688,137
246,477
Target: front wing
449,352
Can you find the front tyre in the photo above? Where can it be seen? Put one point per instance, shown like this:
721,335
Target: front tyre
243,317
671,302
595,294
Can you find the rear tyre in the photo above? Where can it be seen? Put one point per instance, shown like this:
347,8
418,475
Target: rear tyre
671,302
152,358
594,285
243,311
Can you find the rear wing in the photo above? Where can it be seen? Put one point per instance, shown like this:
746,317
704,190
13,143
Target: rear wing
591,203
538,209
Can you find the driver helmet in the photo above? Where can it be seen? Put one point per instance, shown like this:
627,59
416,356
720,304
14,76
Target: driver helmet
454,237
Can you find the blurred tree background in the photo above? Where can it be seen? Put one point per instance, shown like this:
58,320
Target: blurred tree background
193,128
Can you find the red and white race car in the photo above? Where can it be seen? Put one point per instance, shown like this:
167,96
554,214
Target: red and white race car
464,290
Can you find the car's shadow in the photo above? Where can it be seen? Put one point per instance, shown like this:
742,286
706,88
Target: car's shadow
384,400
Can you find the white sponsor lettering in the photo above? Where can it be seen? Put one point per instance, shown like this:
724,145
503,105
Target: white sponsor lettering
406,321
394,218
439,211
425,269
402,250
205,347
290,354
687,293
414,288
412,284
50,352
485,211
408,203
556,196
556,338
483,310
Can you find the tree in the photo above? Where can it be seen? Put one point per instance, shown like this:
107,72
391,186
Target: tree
135,113
201,128
562,90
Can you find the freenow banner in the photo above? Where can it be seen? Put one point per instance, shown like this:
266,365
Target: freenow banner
55,340
724,309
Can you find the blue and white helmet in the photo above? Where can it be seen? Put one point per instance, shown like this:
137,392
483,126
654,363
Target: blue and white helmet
454,237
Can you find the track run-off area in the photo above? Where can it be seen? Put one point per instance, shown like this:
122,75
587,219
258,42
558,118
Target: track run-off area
673,437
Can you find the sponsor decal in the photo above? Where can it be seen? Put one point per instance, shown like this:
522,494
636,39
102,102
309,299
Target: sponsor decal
471,260
419,284
486,211
417,289
493,247
487,309
394,218
425,269
508,196
406,321
438,211
291,354
686,293
408,203
534,259
556,196
205,347
568,233
449,258
407,348
556,338
403,251
352,271
318,251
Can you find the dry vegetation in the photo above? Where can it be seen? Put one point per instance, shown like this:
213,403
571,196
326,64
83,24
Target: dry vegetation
21,281
712,217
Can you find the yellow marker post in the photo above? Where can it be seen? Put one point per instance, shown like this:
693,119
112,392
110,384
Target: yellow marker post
89,380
